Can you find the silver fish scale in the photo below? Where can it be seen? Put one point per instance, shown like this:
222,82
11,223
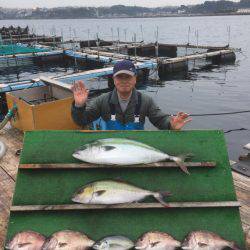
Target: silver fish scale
117,185
118,141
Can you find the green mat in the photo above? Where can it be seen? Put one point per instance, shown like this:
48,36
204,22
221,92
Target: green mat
57,186
18,49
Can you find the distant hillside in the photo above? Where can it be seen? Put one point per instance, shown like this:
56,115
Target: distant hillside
208,7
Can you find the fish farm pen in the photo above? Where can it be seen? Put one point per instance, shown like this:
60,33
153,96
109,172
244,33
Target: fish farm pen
38,140
163,61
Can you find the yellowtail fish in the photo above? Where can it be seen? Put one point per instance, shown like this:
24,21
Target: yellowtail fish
119,151
114,192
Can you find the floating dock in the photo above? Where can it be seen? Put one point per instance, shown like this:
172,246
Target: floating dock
12,35
165,66
100,61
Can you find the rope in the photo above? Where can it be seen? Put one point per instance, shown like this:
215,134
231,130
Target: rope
223,113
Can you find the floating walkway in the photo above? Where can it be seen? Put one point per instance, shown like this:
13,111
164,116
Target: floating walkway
164,66
22,56
66,81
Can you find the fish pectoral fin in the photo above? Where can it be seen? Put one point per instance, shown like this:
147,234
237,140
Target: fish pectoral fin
99,193
153,244
202,244
62,244
20,245
50,243
108,148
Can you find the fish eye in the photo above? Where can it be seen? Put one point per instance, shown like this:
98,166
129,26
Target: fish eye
80,190
84,147
105,244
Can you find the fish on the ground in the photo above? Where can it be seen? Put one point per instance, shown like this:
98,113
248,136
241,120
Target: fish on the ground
114,243
115,151
3,149
157,241
26,240
204,240
114,192
68,240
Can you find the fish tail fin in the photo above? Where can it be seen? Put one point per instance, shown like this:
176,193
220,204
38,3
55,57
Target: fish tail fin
179,160
160,197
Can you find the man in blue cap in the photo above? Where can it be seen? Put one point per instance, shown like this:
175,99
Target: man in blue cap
124,108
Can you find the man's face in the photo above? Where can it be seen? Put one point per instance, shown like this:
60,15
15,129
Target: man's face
124,83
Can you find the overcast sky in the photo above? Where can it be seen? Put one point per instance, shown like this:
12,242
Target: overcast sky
60,3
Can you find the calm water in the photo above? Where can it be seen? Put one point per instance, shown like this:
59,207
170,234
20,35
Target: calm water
221,89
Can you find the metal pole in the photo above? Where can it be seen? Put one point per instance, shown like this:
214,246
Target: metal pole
125,34
62,38
197,38
112,33
188,34
156,42
135,44
229,34
118,42
142,34
88,39
188,41
97,43
76,66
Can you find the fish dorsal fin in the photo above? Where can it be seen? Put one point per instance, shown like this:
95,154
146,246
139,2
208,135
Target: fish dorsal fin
20,245
153,244
108,148
120,180
99,192
202,244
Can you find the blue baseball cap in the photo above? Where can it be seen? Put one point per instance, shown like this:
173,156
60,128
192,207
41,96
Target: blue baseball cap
124,67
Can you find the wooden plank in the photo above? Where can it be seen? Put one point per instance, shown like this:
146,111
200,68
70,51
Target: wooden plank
6,191
126,206
55,52
196,56
90,74
117,55
51,81
242,188
13,140
89,165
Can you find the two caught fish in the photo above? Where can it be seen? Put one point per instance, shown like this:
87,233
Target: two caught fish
196,240
115,151
71,240
62,240
119,151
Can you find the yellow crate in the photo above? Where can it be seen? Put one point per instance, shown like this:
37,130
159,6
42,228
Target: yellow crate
42,108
